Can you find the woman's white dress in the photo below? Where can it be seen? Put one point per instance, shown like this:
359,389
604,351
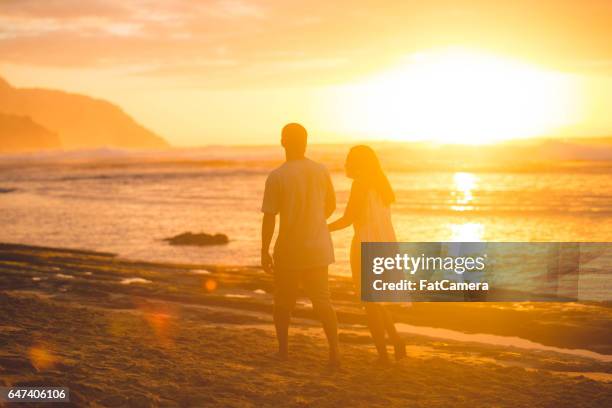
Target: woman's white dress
372,224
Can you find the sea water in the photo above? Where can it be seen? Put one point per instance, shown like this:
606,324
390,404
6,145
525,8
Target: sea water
127,203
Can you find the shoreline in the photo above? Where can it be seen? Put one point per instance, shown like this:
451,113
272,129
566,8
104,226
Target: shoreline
120,332
249,288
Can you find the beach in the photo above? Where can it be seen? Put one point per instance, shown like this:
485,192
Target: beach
436,175
120,332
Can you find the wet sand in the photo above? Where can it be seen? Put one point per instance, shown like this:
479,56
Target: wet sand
120,332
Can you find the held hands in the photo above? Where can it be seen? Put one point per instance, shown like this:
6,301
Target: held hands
267,264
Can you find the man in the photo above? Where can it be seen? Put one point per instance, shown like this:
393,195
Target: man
301,193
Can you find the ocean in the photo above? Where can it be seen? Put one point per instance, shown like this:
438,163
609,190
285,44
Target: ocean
128,202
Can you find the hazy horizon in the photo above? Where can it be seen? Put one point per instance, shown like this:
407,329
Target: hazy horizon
602,140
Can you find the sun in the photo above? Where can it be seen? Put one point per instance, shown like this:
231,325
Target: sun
461,96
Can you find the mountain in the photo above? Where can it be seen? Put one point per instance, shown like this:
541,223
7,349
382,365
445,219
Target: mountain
19,133
79,120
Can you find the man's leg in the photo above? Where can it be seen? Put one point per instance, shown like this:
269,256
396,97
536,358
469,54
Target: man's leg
285,293
316,286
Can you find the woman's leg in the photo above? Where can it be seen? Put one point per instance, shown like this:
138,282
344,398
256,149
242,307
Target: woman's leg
390,325
398,343
374,311
376,324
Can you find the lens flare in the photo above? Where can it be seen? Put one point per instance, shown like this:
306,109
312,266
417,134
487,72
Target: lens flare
210,285
42,357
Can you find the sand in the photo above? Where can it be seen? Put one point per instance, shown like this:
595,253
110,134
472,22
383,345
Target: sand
126,333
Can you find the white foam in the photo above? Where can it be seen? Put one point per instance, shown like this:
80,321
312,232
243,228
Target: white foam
200,272
129,281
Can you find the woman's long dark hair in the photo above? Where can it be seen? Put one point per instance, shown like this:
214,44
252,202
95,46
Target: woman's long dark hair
363,166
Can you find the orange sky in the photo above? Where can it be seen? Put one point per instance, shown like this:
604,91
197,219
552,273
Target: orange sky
217,72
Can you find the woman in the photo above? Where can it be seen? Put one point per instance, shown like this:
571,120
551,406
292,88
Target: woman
368,210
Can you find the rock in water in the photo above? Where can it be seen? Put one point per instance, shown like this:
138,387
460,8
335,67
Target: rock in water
201,239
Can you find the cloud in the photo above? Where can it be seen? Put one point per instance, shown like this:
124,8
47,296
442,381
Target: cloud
260,39
236,9
213,43
38,17
63,9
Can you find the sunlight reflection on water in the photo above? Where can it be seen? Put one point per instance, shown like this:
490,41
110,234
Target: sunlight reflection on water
467,232
464,184
136,206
